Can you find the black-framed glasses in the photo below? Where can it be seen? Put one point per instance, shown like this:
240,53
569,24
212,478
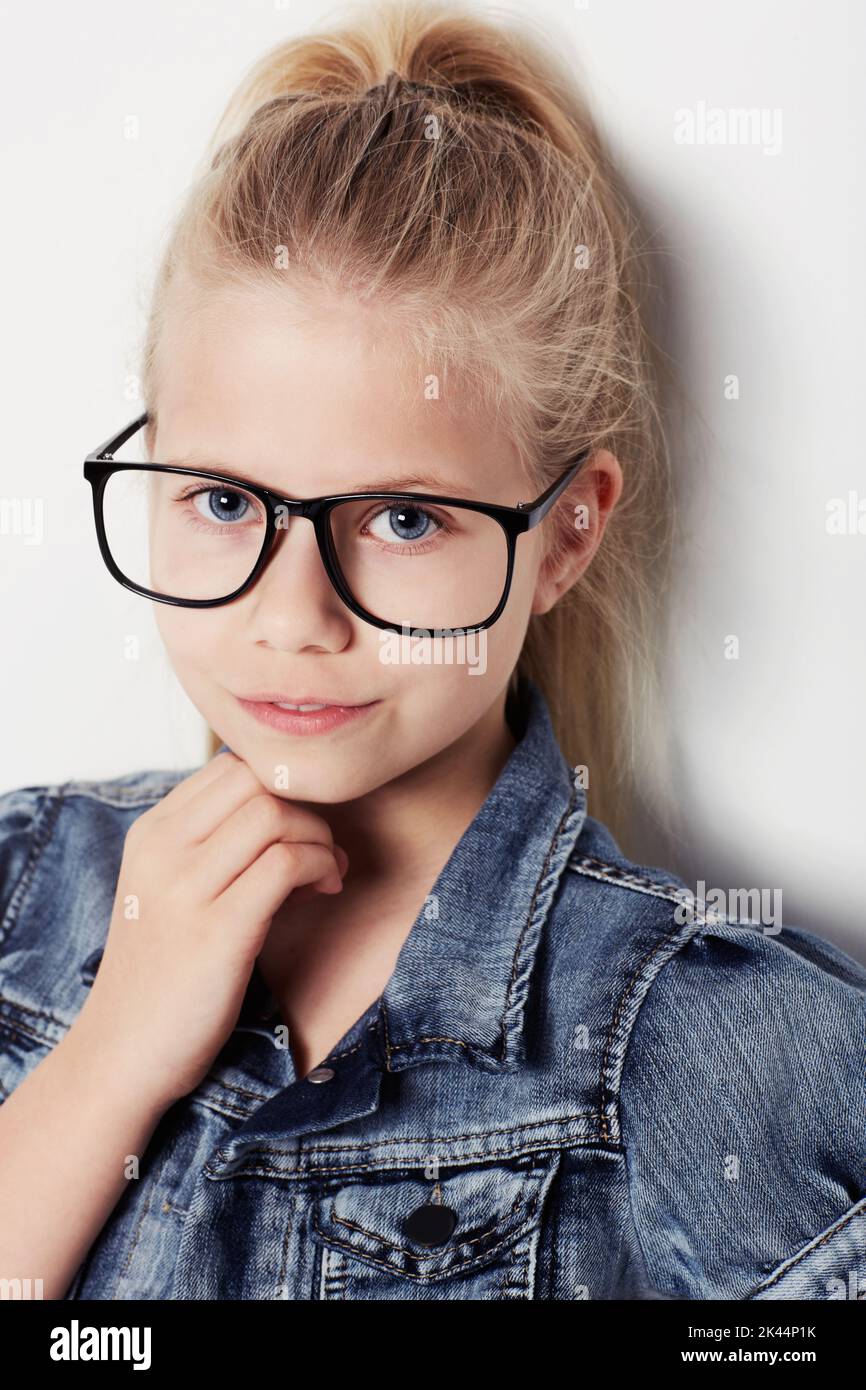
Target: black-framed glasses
199,539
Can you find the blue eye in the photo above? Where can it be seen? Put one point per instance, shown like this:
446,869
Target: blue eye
405,521
221,505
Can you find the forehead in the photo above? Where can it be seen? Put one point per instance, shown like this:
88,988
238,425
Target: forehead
272,384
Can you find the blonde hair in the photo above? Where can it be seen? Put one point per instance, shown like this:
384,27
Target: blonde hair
478,208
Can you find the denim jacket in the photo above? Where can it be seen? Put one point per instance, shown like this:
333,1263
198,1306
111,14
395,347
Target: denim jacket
578,1083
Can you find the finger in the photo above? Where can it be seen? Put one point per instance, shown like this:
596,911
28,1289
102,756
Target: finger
261,889
214,801
309,891
184,791
246,833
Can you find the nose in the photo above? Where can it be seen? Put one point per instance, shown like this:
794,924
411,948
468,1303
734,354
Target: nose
294,601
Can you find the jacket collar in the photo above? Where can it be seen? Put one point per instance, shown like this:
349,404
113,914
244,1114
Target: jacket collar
461,980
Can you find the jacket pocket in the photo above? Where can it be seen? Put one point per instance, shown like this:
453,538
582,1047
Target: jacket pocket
467,1233
831,1266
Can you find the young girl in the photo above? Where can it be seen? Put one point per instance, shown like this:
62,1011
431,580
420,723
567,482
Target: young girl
369,1006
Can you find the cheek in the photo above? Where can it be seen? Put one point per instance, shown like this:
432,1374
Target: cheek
531,590
445,696
524,587
527,552
192,638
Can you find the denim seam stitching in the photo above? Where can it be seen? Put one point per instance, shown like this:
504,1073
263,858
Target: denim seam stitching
610,873
591,1141
136,1234
607,1094
530,916
39,833
241,1091
858,1211
391,1048
406,1274
118,799
285,1249
18,1026
449,1138
614,1094
526,1207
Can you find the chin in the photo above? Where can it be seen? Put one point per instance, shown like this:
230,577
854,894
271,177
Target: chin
296,779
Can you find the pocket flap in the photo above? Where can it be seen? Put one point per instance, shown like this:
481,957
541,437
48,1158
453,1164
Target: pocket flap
832,1266
431,1227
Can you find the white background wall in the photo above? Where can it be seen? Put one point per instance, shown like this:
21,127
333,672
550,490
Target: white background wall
763,273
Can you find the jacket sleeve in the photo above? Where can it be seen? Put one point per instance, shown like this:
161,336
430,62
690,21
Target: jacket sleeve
743,1113
20,815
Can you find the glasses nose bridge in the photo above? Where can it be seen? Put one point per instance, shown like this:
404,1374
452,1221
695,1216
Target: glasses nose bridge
308,507
315,510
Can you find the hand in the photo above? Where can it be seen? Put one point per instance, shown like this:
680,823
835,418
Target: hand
202,874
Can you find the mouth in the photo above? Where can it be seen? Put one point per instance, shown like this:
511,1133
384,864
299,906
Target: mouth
310,715
302,702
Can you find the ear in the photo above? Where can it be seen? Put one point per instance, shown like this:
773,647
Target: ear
589,501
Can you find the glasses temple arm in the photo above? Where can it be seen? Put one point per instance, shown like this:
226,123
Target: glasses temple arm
116,441
538,509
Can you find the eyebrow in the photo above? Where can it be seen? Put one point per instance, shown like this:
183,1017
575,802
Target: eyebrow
426,482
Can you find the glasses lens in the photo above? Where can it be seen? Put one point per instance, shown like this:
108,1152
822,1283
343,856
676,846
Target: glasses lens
182,535
419,565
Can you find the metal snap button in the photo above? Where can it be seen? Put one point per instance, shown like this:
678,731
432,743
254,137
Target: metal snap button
431,1224
321,1074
